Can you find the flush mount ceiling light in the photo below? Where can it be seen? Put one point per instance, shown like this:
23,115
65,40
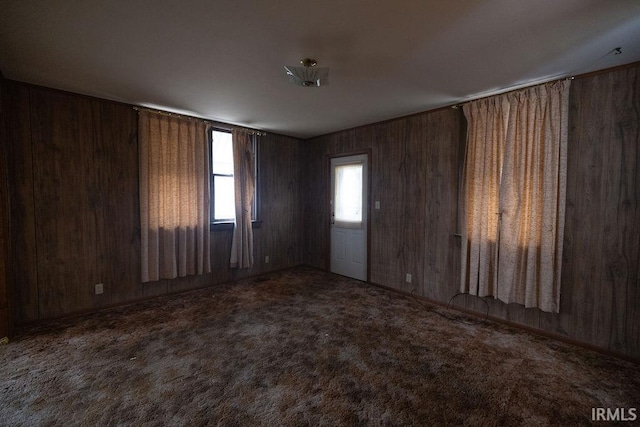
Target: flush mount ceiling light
308,75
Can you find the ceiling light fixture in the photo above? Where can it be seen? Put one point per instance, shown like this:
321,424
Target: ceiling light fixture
308,75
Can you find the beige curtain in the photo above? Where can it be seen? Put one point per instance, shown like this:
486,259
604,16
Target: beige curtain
174,196
244,183
486,132
532,197
522,246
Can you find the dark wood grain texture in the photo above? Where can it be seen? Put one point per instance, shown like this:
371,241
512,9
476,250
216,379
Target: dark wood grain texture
5,322
590,304
75,207
315,210
415,176
115,161
66,199
280,202
398,176
23,261
622,202
604,223
445,156
279,186
73,188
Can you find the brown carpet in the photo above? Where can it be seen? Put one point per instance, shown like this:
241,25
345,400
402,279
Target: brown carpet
301,348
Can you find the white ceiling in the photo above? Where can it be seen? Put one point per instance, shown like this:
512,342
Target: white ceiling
224,59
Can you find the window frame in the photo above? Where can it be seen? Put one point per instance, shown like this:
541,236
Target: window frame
227,223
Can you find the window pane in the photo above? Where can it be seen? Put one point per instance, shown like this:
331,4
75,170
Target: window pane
348,193
224,198
221,153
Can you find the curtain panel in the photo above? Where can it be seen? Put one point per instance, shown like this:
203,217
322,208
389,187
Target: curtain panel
486,132
514,186
174,196
244,185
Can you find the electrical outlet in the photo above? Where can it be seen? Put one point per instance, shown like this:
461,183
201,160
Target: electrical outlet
377,204
99,288
266,259
408,278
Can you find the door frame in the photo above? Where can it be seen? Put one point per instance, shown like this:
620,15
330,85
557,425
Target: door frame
327,204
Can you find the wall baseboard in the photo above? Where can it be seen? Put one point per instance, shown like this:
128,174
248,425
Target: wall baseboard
529,329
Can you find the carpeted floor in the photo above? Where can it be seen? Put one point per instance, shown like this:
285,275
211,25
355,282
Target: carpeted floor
301,348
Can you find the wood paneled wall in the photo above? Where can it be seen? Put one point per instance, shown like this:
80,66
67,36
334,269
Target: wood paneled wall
600,300
415,176
73,190
415,163
4,226
73,173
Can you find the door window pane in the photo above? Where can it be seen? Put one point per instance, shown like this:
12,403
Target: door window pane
348,193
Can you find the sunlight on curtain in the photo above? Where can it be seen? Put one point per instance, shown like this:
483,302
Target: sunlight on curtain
532,197
348,181
514,188
174,196
487,120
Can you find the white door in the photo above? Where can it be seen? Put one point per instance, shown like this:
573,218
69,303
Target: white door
349,209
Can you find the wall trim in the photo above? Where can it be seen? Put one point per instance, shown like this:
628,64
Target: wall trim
526,328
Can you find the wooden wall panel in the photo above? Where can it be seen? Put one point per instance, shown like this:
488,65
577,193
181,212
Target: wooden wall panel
118,218
281,202
444,159
590,303
24,274
5,323
622,209
220,253
280,234
414,164
398,177
115,163
315,212
389,254
600,291
414,175
562,323
75,206
66,199
600,294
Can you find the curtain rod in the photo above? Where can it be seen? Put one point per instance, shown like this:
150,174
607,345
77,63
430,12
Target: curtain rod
168,113
509,89
209,122
251,131
552,79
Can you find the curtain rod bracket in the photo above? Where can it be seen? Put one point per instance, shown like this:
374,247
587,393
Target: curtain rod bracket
168,113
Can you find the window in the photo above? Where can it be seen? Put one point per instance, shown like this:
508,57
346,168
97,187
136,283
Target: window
222,196
348,182
222,187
